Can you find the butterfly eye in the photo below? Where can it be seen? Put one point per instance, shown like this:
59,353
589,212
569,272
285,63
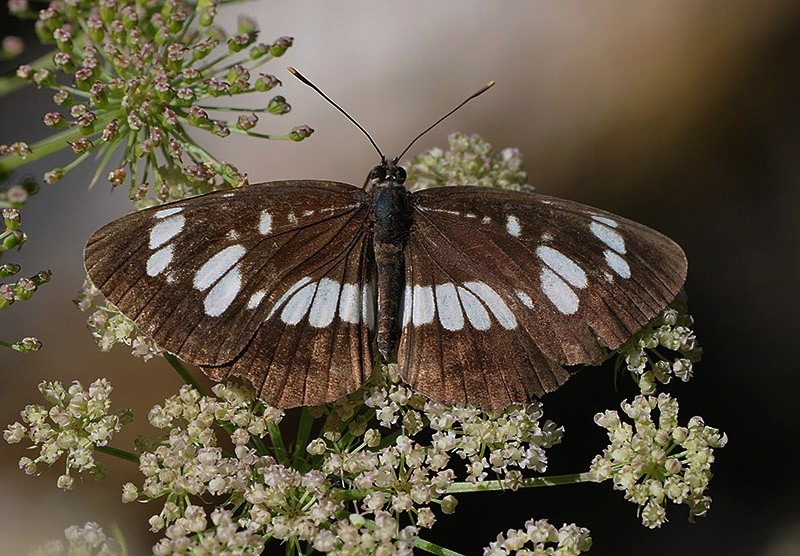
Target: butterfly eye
400,174
377,174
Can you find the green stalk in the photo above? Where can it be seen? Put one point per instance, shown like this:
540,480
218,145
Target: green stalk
183,373
277,443
116,452
48,146
432,548
531,482
303,433
11,83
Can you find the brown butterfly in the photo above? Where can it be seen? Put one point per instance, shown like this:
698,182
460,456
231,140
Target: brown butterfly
482,296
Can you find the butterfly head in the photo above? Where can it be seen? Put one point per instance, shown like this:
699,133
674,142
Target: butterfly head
386,174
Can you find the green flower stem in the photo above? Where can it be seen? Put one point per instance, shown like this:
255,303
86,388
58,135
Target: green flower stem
235,129
553,480
432,548
277,443
183,373
116,452
488,486
48,146
11,83
303,433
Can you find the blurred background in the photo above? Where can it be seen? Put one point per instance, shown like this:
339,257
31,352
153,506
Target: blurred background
681,115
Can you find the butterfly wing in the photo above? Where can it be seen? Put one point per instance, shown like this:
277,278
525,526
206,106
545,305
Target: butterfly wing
529,284
267,282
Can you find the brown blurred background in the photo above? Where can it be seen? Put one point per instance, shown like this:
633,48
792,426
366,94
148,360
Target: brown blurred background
682,115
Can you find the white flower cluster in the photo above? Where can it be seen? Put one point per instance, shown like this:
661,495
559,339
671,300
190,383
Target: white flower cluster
77,422
644,354
86,540
110,327
469,160
656,461
539,538
365,486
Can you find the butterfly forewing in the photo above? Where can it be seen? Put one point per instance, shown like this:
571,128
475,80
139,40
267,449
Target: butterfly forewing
539,282
210,277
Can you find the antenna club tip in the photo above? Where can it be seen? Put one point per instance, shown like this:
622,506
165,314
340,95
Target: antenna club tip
490,84
291,70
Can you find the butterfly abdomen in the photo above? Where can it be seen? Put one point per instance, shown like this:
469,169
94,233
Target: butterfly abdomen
391,216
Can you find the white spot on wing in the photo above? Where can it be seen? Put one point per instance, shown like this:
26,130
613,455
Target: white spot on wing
495,303
407,304
562,265
448,307
559,292
617,264
166,230
606,221
159,261
513,226
265,223
609,276
291,218
218,265
609,236
423,305
163,213
349,304
477,315
297,307
223,293
367,306
308,212
255,299
288,293
525,298
547,236
233,235
485,220
324,308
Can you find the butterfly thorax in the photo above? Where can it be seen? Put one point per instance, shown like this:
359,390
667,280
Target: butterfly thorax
391,218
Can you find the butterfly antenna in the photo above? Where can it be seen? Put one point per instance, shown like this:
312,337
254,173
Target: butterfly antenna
305,80
477,93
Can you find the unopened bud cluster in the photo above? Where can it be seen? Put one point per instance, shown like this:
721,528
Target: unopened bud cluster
140,76
12,237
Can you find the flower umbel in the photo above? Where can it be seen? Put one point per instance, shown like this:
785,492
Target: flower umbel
110,327
143,75
666,347
539,537
470,160
656,460
76,423
86,540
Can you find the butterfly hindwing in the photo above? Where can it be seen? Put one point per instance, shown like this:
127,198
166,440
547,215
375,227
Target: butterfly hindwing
558,281
209,277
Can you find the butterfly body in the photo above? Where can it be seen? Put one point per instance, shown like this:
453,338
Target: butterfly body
392,217
482,296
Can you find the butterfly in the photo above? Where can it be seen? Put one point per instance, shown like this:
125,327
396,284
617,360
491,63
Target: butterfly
481,296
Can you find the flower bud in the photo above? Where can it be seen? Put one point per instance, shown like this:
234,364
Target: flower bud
280,46
53,175
27,345
278,106
9,269
301,132
265,82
